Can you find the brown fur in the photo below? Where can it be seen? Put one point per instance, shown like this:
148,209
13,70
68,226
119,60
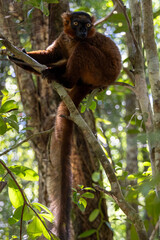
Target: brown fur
92,62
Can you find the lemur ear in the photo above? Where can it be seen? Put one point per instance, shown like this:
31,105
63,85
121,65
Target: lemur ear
93,19
66,17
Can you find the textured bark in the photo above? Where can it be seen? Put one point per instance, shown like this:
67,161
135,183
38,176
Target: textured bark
40,104
137,61
84,163
153,69
132,164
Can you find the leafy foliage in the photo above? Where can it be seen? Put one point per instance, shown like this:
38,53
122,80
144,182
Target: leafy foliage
8,120
34,214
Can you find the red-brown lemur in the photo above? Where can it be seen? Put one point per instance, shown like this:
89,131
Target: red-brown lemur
92,61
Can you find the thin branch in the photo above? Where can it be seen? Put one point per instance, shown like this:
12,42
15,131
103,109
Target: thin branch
154,231
21,221
129,74
100,189
26,140
132,88
105,18
123,7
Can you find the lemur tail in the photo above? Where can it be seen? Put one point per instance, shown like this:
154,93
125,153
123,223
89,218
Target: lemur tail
60,174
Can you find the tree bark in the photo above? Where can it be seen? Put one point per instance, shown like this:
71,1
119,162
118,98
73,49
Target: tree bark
153,70
132,164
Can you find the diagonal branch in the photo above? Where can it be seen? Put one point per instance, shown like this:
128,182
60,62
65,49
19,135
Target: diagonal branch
105,18
123,7
26,140
21,55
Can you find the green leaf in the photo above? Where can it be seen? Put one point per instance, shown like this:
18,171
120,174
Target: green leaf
83,202
74,189
94,214
42,206
93,106
103,121
25,173
13,117
87,233
14,237
18,212
35,228
5,92
88,195
15,195
28,213
90,188
8,106
12,220
3,126
119,164
96,176
156,14
83,108
146,164
12,123
81,207
75,197
5,96
49,217
2,171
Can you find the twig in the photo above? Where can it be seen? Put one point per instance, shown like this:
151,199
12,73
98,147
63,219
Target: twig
26,140
123,7
132,88
154,231
105,18
130,74
100,189
21,221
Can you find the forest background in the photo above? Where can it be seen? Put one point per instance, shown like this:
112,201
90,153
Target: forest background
125,119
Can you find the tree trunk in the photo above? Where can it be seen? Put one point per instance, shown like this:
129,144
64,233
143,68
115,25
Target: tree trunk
132,164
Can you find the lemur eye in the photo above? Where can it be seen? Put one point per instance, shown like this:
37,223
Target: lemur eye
88,25
75,23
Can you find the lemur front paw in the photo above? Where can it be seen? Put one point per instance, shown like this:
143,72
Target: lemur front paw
24,50
48,73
